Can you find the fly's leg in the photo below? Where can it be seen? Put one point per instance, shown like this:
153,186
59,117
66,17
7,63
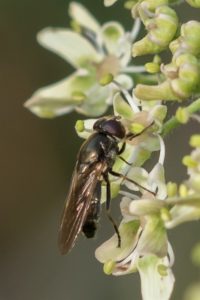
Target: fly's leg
120,151
131,136
108,199
123,159
130,180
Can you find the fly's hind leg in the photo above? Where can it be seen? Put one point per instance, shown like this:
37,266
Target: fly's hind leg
108,199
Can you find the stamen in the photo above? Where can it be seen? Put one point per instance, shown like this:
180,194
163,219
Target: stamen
128,97
95,40
162,150
134,69
135,30
170,255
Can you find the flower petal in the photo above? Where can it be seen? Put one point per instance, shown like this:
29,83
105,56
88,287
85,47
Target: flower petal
95,103
155,286
59,98
144,207
109,251
181,214
84,128
156,181
153,239
70,45
122,108
125,81
111,34
83,17
139,175
109,2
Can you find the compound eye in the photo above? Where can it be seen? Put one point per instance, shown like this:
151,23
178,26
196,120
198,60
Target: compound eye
114,127
98,124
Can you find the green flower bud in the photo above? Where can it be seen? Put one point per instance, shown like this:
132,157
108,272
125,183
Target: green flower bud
157,59
174,45
79,126
165,27
190,32
194,3
152,67
109,267
145,46
183,191
181,88
190,72
153,4
185,58
195,140
161,30
182,115
189,162
155,92
171,189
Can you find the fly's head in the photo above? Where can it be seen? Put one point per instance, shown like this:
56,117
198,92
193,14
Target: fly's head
110,126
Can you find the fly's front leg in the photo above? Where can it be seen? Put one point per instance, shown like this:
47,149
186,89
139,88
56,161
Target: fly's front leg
130,180
131,136
108,199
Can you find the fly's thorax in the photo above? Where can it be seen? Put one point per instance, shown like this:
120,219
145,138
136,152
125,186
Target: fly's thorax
110,147
99,147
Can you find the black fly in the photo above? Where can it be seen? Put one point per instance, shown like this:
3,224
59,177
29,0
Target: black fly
94,162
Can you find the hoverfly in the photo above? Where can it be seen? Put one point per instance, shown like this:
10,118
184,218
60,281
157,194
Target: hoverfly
94,163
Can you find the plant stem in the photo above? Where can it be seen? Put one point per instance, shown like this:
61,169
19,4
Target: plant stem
174,123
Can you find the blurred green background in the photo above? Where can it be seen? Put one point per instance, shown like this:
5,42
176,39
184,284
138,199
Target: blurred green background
37,159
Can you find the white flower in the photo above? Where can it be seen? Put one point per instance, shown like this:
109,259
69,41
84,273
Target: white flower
144,248
143,230
144,244
109,2
94,52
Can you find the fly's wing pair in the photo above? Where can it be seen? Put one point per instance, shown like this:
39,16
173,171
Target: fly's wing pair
77,204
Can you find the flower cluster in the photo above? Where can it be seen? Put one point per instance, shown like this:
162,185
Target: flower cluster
99,54
145,246
182,75
105,76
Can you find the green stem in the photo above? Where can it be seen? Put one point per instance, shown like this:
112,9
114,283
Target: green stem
173,122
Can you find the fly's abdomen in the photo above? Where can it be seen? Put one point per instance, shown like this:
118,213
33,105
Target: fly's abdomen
90,225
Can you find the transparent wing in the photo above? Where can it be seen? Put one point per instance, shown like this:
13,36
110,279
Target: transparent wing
77,204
